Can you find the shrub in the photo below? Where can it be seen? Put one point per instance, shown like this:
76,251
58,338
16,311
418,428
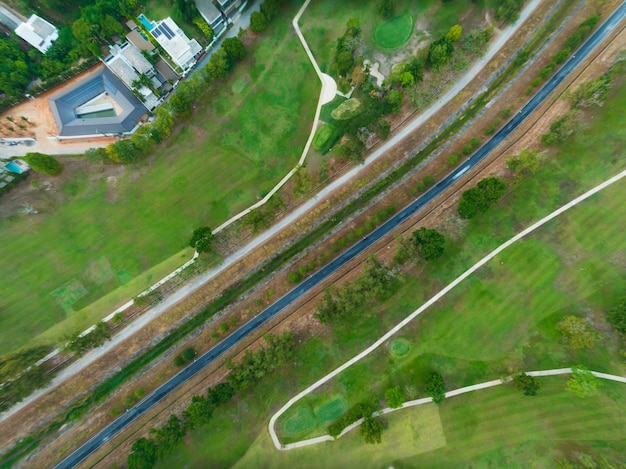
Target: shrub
185,357
294,276
577,332
394,397
617,316
258,22
478,199
43,163
436,388
453,159
428,181
527,384
429,242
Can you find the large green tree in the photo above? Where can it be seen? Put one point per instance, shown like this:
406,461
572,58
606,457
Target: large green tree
372,430
234,48
201,239
429,242
478,199
583,383
440,52
143,454
198,413
43,163
258,22
394,397
435,387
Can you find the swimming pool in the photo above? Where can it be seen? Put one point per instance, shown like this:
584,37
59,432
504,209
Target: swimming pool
147,24
14,168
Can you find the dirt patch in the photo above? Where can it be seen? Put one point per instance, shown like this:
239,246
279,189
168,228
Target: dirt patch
41,125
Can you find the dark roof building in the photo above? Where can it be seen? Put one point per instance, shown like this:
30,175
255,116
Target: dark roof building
139,40
98,104
229,6
212,15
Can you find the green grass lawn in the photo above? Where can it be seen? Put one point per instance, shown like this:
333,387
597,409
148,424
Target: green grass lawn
325,20
392,33
501,319
104,236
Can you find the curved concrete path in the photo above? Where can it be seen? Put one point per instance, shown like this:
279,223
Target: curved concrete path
327,94
432,301
456,392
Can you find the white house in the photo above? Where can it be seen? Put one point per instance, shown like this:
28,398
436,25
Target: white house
178,46
128,63
38,33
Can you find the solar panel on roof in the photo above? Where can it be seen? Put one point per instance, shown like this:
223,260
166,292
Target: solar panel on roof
156,32
166,29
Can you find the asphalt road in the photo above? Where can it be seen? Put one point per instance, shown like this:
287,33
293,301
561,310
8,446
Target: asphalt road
210,356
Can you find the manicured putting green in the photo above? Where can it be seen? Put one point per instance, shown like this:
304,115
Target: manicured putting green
322,136
399,348
392,33
331,409
300,422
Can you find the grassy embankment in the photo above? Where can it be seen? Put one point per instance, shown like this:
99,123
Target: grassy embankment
503,317
104,236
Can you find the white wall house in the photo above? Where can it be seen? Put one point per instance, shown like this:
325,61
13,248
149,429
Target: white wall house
178,46
128,63
38,33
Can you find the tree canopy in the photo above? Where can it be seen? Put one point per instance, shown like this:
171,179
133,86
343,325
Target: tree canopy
617,316
201,239
577,332
372,430
435,387
527,384
43,163
508,10
258,22
454,33
478,199
583,383
394,397
429,242
440,52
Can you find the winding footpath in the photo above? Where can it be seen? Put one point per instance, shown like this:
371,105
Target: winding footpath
424,307
455,392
